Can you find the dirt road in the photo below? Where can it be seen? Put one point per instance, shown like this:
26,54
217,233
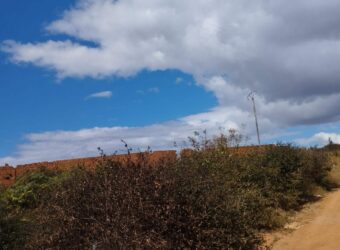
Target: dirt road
317,228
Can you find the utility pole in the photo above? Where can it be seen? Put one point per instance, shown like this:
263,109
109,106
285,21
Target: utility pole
251,97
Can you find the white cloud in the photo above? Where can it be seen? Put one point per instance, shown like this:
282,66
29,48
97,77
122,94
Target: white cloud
282,112
288,53
320,139
103,94
154,90
179,80
72,144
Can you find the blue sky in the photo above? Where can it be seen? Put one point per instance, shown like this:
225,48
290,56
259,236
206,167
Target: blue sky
33,100
75,75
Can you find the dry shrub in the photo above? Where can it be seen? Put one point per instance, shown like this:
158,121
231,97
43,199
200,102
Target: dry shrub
178,205
209,198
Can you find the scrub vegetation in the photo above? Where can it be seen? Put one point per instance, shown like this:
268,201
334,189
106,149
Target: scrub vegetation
211,197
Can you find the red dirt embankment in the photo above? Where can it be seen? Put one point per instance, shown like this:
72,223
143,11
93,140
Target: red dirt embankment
9,174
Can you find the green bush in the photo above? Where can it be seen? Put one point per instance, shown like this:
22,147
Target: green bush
19,200
25,192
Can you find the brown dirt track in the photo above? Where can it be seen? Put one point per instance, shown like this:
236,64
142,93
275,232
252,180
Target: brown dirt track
317,226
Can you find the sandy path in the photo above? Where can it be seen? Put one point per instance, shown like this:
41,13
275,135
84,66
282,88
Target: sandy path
317,228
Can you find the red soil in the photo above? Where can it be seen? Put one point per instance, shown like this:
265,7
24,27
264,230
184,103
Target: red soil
9,174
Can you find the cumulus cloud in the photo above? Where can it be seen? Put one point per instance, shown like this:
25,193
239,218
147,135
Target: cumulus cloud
320,139
103,94
73,144
281,112
288,52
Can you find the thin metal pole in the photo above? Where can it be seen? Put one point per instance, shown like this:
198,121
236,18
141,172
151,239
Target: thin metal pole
252,96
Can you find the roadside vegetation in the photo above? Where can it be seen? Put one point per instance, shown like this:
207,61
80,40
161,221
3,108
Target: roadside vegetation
211,197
